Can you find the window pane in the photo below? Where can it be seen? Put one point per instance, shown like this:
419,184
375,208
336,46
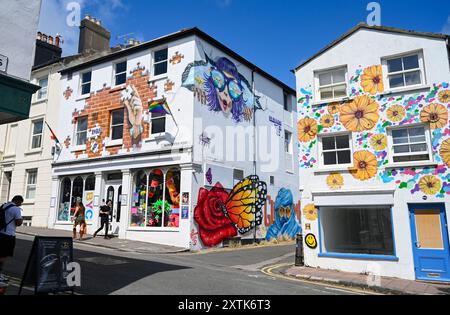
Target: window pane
31,192
329,158
395,65
90,184
86,77
82,138
412,78
36,142
161,68
411,62
64,204
161,55
158,125
139,201
172,216
121,79
86,88
416,132
396,81
342,142
117,133
400,136
82,124
340,91
418,147
328,143
43,83
37,127
325,79
326,94
357,230
339,76
411,158
117,117
401,149
344,157
32,177
77,192
156,205
121,67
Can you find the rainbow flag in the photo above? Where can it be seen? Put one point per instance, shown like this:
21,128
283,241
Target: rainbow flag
53,137
159,107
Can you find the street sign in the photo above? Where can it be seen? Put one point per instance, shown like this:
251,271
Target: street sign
3,63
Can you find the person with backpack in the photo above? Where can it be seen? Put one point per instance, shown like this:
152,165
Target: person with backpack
10,219
105,212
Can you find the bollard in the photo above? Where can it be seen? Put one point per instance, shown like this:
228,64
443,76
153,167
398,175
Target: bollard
299,256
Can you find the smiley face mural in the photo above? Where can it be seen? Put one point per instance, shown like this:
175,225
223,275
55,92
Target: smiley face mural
311,241
286,223
219,85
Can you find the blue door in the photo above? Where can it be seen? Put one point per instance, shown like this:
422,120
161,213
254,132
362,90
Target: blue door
430,242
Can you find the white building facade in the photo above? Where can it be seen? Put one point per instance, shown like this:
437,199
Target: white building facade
374,154
166,130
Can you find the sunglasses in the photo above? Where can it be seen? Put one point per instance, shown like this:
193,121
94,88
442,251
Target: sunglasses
286,212
221,81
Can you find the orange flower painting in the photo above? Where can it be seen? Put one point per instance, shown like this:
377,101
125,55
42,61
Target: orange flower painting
335,181
444,96
307,129
327,121
334,108
396,113
445,152
372,80
361,114
436,115
365,165
430,185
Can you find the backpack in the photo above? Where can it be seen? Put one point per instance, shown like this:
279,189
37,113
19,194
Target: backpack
3,223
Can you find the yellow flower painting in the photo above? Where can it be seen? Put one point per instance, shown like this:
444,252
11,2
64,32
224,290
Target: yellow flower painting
445,151
444,96
310,212
436,115
365,165
335,181
379,142
430,185
327,121
361,114
372,80
396,113
307,129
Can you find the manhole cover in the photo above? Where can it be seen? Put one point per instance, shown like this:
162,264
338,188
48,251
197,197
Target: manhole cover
104,261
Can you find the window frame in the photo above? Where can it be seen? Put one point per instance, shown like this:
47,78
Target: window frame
78,132
323,254
321,151
289,145
154,63
164,116
39,96
82,83
421,69
41,135
115,74
111,126
318,87
28,185
391,153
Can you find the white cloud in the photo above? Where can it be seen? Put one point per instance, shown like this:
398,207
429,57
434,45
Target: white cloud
54,14
446,28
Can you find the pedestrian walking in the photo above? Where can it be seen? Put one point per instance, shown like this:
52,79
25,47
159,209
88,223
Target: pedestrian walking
79,219
105,212
10,219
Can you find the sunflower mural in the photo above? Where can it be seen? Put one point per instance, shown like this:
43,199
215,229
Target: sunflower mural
310,212
369,115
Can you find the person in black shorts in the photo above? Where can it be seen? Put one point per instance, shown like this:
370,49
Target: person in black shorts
105,212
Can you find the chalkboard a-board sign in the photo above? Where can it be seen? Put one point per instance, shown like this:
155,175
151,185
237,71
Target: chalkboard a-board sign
47,266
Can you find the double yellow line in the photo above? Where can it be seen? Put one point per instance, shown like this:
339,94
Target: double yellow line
268,271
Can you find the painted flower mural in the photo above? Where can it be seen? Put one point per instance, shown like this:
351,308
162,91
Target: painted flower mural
360,114
364,165
222,88
430,185
286,223
335,181
444,96
396,113
327,121
307,129
436,115
334,108
372,80
310,212
445,152
379,142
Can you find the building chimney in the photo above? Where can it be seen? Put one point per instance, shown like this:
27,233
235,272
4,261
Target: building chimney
47,49
93,36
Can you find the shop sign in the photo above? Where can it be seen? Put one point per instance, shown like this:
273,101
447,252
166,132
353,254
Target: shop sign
95,132
3,63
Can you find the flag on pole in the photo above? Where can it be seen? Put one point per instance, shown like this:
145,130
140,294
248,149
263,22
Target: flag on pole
160,107
53,137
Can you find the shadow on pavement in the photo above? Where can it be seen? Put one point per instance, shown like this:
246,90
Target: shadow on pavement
100,274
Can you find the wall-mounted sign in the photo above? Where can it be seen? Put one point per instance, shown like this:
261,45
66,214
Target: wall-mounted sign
95,132
278,125
3,63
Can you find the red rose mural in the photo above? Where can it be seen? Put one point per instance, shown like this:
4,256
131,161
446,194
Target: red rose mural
214,225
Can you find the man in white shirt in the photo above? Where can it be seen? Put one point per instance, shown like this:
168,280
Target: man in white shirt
13,219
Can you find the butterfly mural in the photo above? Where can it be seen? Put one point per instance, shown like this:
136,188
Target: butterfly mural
221,215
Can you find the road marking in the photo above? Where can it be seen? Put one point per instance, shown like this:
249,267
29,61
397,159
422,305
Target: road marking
268,271
258,266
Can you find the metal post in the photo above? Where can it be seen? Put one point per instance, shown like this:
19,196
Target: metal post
299,253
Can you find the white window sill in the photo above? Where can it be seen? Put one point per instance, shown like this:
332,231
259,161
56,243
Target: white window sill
122,86
334,100
157,137
9,157
405,89
340,168
78,148
33,151
83,97
160,77
114,143
39,101
28,202
410,165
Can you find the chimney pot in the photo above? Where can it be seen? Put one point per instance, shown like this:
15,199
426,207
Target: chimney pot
50,40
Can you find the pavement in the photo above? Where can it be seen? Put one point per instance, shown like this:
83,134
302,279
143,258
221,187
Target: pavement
383,285
114,243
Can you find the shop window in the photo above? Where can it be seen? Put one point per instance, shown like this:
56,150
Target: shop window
156,199
64,203
77,191
90,184
348,230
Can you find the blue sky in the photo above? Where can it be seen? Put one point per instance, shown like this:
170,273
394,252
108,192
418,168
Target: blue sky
275,35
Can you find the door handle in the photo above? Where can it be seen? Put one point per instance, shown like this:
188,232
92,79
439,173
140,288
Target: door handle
418,245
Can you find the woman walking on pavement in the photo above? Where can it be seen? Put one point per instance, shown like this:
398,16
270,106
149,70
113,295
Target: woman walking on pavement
80,219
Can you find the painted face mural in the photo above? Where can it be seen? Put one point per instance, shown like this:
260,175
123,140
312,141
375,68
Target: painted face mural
219,85
286,223
221,215
369,116
132,102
